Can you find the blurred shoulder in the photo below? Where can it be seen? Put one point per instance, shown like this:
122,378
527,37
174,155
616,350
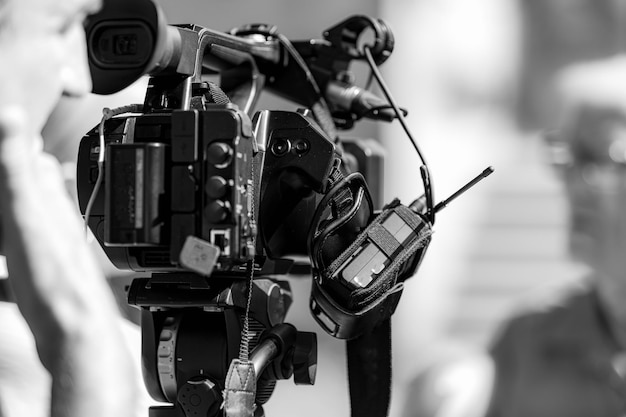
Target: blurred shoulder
547,314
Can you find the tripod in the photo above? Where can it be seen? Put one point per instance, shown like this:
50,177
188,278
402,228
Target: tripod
191,331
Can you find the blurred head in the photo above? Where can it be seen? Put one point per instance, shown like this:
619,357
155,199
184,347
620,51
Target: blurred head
42,44
590,153
555,35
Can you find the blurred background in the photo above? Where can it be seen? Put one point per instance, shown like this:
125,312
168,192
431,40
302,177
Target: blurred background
459,67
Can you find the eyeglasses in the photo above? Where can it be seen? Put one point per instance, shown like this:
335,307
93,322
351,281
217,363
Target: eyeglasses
600,164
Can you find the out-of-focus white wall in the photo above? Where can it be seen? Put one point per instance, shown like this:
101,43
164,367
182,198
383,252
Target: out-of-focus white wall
293,18
454,68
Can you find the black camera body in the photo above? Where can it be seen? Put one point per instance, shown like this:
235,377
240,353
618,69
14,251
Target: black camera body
169,176
203,173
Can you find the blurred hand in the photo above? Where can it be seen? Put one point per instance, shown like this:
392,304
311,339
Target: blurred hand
59,287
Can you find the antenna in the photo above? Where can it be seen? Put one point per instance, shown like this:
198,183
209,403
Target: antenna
488,171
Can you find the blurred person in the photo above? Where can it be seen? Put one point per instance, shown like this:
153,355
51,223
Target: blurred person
565,354
64,310
568,357
564,75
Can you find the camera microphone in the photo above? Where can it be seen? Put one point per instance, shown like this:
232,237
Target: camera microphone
359,101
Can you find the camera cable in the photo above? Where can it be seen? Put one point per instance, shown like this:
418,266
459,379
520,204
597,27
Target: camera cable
107,114
424,171
241,385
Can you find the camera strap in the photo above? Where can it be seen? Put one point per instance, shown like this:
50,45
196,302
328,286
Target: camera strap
369,371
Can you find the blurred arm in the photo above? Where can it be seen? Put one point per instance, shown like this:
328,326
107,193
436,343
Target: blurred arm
59,288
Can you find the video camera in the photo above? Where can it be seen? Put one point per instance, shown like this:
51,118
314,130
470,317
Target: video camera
217,200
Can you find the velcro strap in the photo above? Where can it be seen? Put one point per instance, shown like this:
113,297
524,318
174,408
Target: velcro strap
341,201
385,241
335,176
216,94
408,216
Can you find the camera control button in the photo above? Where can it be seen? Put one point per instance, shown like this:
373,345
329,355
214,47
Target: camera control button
301,146
217,211
219,154
216,187
166,335
280,146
